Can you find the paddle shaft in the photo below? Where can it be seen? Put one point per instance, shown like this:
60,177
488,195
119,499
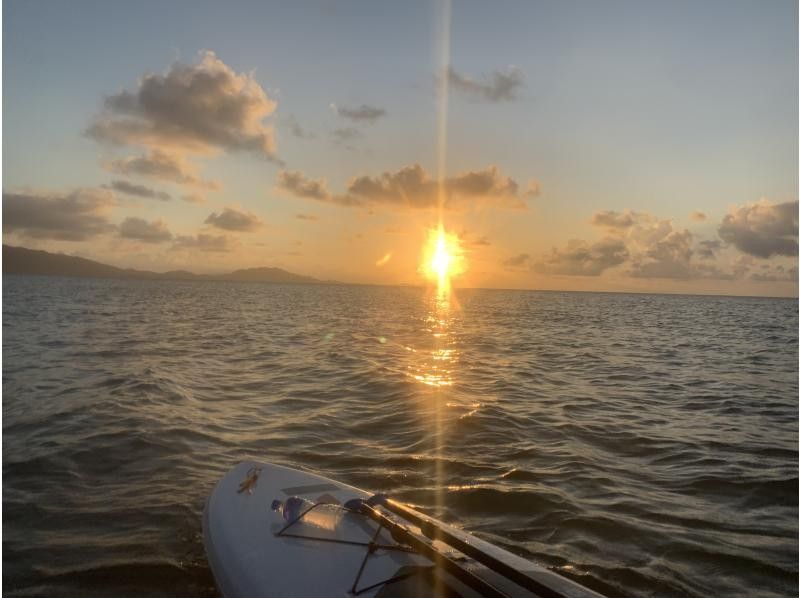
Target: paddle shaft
434,532
401,534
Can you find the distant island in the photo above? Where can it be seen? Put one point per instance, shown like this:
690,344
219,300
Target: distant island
20,260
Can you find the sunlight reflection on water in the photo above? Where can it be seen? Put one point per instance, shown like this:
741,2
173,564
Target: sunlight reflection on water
436,364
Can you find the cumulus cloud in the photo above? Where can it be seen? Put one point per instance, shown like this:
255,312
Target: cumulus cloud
656,248
296,183
161,165
669,257
482,183
139,190
580,258
697,216
141,230
234,220
75,216
411,186
498,86
762,229
363,113
199,108
203,242
614,220
517,260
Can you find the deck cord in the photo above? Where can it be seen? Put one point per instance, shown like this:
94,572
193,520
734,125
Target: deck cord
371,546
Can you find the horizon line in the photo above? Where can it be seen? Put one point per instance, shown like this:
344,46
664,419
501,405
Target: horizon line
316,281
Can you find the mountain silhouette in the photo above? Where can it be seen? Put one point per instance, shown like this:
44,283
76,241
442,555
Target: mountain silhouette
20,260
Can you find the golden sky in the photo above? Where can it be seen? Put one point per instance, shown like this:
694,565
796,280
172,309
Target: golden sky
330,139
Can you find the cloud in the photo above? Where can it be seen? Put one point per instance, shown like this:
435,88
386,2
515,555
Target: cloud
411,186
657,249
199,108
746,266
141,230
296,183
640,230
204,242
363,113
196,198
762,229
669,257
498,86
697,216
139,190
234,220
482,183
517,260
780,273
309,217
161,165
708,249
75,216
384,260
653,247
614,220
580,258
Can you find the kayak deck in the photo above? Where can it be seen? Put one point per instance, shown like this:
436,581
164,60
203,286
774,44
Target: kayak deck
324,553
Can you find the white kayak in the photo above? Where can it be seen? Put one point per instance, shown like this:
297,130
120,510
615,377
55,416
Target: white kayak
336,551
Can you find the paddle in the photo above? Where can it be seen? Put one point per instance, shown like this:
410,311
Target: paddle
434,532
401,534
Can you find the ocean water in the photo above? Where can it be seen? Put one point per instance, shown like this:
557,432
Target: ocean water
645,445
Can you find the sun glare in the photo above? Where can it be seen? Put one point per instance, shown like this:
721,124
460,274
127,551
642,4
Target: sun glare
442,258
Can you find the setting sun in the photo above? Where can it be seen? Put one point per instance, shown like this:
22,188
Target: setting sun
443,257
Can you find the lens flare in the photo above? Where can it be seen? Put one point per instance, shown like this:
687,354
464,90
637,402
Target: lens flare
442,258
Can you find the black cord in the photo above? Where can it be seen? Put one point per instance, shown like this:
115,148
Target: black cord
371,546
370,550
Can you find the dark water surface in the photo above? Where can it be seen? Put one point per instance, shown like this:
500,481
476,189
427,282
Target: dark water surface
642,444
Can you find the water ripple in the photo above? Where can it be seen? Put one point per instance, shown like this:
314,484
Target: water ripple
641,444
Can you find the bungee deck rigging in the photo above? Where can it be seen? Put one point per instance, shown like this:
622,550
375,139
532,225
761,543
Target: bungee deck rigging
411,542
